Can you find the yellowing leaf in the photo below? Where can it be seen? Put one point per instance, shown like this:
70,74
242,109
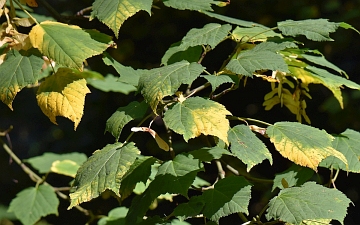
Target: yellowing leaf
68,45
196,116
63,94
302,144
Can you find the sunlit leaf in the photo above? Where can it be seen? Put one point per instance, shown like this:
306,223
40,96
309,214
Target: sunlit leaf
68,45
33,203
164,81
247,147
294,176
65,167
111,83
348,26
253,34
63,94
302,144
103,170
313,29
123,116
191,4
347,143
216,81
314,222
310,201
196,116
113,13
17,71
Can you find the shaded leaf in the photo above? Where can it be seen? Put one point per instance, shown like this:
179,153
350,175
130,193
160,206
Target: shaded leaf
313,29
253,34
33,203
116,216
103,170
191,208
164,81
196,116
65,167
230,195
231,20
247,147
111,83
216,81
302,144
209,154
16,72
310,201
68,45
63,94
294,176
113,13
348,144
177,53
191,4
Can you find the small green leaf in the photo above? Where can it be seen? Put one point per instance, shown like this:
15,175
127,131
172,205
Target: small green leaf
116,216
348,26
247,147
113,13
65,167
310,201
347,143
302,144
157,83
232,20
33,203
196,116
17,71
253,34
230,195
178,53
216,81
103,170
294,176
209,154
191,4
111,83
313,29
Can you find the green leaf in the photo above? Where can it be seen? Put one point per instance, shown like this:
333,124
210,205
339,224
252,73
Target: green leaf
196,116
230,195
198,183
247,147
103,170
116,216
63,94
261,57
294,176
348,26
253,34
232,20
4,214
173,177
216,81
209,154
313,29
347,143
177,53
191,4
157,83
17,71
310,201
314,222
44,162
33,203
68,45
191,208
123,115
113,13
302,144
111,83
65,167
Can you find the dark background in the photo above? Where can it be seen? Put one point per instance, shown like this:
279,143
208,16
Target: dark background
142,42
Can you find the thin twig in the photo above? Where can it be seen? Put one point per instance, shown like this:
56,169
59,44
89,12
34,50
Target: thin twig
220,169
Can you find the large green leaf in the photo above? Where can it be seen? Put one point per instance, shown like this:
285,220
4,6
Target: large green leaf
164,81
347,143
313,29
190,4
33,203
173,177
17,71
68,45
111,83
247,147
123,116
261,57
113,13
294,176
63,94
230,195
103,170
310,201
302,144
196,116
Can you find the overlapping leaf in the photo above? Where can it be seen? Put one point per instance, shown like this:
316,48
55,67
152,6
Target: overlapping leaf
313,29
111,83
232,20
65,167
209,154
253,34
191,4
177,53
157,83
216,81
347,143
103,170
63,94
68,45
304,145
196,116
123,116
115,216
33,203
294,176
113,13
247,147
18,70
310,201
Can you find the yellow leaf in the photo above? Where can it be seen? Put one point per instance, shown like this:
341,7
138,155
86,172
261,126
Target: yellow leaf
63,94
